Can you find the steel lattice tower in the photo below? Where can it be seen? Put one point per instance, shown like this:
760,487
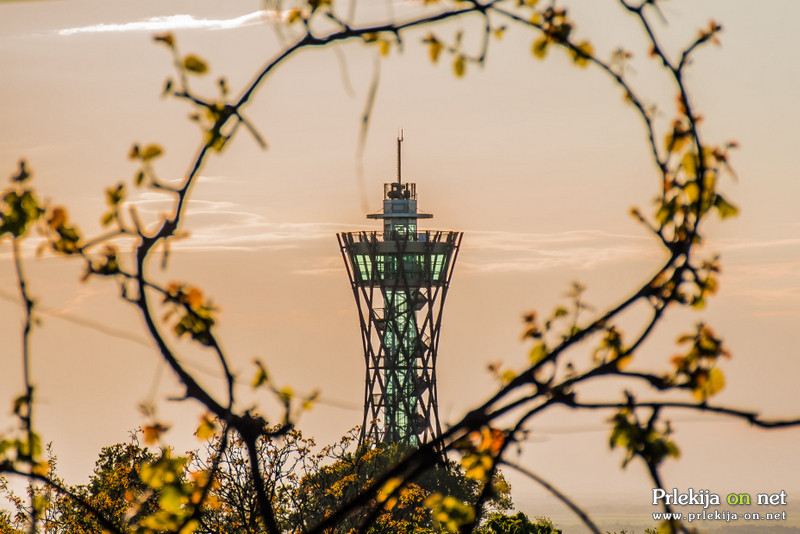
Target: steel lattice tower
400,279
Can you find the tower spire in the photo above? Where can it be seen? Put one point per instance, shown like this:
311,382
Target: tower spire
399,157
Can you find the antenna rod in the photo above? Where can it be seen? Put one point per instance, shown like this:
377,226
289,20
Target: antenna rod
399,140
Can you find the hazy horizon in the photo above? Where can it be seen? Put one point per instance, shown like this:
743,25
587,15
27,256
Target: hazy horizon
537,162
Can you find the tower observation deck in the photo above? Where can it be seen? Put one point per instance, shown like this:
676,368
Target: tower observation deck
400,278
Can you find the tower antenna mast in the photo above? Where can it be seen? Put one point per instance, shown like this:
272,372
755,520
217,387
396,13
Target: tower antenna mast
399,159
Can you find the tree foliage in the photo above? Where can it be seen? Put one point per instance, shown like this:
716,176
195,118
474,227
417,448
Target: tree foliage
134,486
572,346
517,524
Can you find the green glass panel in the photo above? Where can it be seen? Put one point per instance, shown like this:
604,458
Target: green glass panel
437,266
363,265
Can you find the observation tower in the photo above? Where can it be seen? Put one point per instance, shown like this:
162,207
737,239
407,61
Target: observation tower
400,278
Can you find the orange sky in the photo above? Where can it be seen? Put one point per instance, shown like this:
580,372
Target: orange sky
537,162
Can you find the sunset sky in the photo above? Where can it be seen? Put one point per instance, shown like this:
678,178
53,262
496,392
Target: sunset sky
537,162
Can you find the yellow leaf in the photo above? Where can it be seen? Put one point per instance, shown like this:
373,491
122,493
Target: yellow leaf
434,48
152,433
286,394
459,66
262,377
133,153
540,47
538,353
384,47
623,362
58,218
692,191
711,285
194,298
166,38
308,403
151,152
725,208
170,498
207,428
190,527
689,163
581,55
476,466
433,500
200,478
41,468
698,303
388,488
508,376
194,64
676,141
709,385
294,15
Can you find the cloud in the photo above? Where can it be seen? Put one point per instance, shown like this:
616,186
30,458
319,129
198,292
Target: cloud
177,22
770,270
502,252
328,265
735,244
224,225
517,240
